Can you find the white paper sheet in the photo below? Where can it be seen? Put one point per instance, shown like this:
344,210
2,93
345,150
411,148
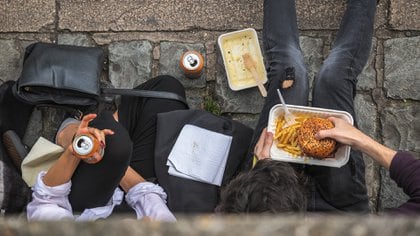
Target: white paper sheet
199,154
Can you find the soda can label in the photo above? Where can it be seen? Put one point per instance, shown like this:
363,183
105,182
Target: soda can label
85,146
192,63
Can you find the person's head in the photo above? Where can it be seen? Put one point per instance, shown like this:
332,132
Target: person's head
270,187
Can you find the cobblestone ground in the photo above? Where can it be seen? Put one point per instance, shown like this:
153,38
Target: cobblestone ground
146,38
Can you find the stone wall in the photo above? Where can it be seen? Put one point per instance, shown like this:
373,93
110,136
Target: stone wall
146,38
229,225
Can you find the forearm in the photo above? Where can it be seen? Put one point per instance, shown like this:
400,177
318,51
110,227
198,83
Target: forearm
62,170
147,199
380,153
65,137
130,179
346,133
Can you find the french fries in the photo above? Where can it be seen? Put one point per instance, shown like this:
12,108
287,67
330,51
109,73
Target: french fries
287,137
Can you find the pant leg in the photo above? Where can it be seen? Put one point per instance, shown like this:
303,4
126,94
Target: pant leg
343,188
336,83
282,51
138,116
94,184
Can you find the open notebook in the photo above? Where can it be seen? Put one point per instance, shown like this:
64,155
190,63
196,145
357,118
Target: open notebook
199,154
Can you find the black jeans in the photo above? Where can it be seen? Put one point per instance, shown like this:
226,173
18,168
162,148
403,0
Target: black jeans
133,143
329,188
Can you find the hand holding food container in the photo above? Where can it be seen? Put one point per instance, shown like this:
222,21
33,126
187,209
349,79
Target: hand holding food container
295,143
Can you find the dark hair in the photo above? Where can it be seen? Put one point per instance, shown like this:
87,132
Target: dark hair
270,187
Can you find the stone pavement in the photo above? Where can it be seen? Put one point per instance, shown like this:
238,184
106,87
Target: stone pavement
146,38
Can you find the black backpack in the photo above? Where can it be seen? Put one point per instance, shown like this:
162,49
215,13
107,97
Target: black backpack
14,115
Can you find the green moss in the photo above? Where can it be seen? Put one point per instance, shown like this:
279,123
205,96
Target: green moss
212,106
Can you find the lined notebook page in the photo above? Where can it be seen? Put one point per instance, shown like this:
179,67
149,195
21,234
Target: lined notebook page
199,154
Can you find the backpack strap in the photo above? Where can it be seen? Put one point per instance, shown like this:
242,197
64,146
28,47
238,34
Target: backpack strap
145,93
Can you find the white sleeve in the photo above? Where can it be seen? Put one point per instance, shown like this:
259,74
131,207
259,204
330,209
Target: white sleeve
49,203
149,200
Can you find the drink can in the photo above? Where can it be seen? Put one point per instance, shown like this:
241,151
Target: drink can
192,63
85,146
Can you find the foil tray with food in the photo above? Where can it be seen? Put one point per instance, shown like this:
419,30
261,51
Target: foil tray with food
234,47
293,143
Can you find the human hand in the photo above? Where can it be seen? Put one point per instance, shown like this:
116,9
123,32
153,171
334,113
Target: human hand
99,135
262,148
343,132
346,133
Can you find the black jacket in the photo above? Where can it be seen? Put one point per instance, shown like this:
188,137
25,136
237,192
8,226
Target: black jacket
185,195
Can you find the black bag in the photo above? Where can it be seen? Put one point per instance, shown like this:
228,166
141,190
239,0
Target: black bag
66,75
15,193
185,195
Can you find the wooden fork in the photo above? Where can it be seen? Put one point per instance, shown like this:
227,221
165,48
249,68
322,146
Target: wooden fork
250,65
